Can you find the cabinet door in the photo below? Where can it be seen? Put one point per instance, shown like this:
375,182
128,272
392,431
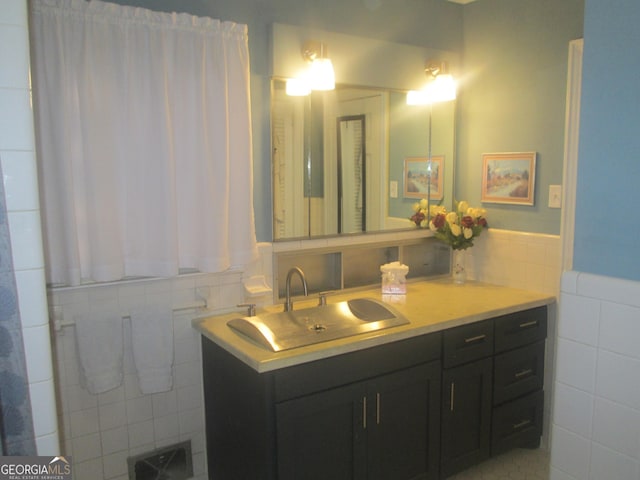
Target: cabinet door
466,416
321,436
403,424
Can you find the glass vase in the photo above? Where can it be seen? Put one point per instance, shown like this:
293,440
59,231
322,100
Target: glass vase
458,266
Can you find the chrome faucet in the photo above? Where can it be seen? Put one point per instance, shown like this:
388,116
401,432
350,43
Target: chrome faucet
288,305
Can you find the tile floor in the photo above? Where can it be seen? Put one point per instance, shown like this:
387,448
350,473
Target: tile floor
519,464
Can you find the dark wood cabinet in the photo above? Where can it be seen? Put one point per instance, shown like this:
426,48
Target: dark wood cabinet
518,397
518,372
383,428
321,436
517,423
492,398
466,416
466,396
422,408
372,414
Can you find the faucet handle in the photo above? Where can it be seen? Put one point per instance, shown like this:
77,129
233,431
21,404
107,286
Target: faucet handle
322,297
251,308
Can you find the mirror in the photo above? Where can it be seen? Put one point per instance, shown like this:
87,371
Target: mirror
339,159
352,211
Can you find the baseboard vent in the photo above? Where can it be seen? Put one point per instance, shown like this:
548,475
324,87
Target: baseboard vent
168,463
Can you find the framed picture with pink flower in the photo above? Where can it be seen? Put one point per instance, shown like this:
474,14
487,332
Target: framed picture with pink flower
416,177
508,178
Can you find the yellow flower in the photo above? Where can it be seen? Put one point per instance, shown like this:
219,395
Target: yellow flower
477,212
452,218
468,233
463,206
455,229
436,209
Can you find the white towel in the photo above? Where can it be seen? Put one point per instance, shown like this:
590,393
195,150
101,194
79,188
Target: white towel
152,344
100,347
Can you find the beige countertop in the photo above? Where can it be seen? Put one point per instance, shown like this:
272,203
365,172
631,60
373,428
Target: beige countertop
430,306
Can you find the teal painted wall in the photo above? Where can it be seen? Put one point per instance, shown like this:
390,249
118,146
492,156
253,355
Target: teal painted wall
513,98
607,228
408,127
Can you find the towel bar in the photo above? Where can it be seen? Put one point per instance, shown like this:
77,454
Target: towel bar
60,324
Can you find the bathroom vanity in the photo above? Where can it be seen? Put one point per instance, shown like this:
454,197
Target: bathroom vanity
462,381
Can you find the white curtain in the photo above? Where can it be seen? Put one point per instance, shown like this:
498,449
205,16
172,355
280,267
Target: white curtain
144,141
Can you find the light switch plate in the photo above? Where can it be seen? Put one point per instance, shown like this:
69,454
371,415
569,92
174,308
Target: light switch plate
555,196
393,189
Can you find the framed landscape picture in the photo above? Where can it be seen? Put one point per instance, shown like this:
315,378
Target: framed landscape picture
416,177
508,178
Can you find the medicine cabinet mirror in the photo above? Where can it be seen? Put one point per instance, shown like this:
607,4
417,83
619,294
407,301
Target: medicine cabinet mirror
338,159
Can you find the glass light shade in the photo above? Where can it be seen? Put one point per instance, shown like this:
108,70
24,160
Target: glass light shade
321,75
418,97
297,87
441,89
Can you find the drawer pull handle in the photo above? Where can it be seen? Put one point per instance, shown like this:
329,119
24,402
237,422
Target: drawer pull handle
523,423
378,408
532,323
475,339
364,413
524,373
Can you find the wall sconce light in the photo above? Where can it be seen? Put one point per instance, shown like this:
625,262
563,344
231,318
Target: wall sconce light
320,74
297,87
440,88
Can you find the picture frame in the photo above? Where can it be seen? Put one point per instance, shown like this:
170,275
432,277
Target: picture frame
415,177
508,178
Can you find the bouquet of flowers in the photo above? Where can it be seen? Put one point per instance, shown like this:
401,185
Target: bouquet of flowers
457,228
419,216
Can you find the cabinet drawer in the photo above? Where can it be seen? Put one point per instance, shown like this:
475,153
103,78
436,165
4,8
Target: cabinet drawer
299,380
467,343
520,328
518,372
517,423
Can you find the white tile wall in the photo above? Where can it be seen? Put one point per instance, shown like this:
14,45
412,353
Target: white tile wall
102,431
17,154
596,423
523,260
517,259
